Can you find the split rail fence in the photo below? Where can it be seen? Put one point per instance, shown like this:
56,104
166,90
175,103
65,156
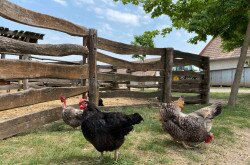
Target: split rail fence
12,70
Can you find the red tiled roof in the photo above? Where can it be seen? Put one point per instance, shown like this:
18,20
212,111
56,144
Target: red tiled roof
214,51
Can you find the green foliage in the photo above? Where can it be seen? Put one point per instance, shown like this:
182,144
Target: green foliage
145,40
225,18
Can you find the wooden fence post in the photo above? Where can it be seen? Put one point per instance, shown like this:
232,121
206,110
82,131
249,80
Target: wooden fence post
167,72
128,71
25,81
83,81
3,56
206,81
26,57
93,82
114,84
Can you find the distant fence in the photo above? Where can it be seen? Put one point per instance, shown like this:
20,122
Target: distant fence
165,64
15,70
189,82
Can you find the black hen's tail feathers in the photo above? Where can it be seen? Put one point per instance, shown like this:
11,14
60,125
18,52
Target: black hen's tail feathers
135,118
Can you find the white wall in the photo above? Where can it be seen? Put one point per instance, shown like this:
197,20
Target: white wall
224,64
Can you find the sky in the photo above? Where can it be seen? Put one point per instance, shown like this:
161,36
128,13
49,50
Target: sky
113,21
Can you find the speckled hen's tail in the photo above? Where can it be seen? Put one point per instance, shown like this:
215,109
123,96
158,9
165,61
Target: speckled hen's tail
217,109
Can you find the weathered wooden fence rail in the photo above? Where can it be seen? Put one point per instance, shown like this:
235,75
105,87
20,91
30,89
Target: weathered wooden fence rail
18,14
66,72
189,82
164,65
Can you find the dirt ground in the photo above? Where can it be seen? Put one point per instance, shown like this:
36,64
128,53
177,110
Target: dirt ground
17,112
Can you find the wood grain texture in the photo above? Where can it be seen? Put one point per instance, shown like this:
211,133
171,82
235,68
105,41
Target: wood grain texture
28,122
188,73
188,81
124,77
129,65
9,45
186,61
130,94
206,82
92,61
34,96
188,56
185,90
185,58
18,14
11,86
17,69
121,48
143,86
167,72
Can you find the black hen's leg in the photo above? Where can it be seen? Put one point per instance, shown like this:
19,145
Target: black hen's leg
116,154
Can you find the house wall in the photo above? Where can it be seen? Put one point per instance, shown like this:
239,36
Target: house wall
223,71
226,77
224,64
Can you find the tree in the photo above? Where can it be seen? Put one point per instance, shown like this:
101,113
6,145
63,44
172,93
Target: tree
227,19
145,40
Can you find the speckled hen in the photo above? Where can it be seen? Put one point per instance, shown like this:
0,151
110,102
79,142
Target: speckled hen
189,129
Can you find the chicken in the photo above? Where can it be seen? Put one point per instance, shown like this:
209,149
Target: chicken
100,100
70,115
106,131
189,129
180,103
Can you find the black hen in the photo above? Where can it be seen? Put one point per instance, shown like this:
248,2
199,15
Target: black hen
106,131
100,102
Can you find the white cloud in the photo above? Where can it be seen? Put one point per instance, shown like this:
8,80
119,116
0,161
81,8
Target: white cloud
98,10
146,19
61,2
106,29
122,17
81,2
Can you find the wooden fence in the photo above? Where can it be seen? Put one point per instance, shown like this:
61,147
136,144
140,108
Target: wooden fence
189,81
14,70
165,64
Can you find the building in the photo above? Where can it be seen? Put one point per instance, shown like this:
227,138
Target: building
223,64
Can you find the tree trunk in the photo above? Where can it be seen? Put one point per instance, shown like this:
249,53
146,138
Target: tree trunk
240,66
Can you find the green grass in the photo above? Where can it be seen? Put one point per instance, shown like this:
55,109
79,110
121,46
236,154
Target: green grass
148,144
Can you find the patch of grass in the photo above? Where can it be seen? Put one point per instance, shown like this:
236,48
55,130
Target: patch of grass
148,144
192,156
153,145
